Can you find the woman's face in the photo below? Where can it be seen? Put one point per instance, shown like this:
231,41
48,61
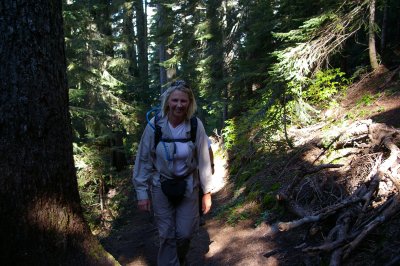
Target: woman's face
178,103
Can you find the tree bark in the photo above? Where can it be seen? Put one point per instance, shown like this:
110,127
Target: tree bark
141,25
130,35
41,217
161,47
371,41
384,27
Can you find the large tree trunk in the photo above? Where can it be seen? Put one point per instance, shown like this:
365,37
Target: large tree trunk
161,47
143,62
41,219
384,27
129,32
371,43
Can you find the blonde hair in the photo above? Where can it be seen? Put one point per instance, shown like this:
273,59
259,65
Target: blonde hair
178,85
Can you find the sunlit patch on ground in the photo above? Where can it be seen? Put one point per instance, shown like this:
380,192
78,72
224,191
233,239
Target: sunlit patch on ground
220,166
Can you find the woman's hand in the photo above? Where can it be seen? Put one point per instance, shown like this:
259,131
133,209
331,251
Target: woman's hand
206,203
144,205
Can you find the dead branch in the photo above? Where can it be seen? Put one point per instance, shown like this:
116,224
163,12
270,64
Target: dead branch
382,170
372,189
353,141
374,170
341,230
284,195
294,157
327,147
336,257
365,218
395,181
320,167
390,78
318,217
387,213
293,224
357,131
291,204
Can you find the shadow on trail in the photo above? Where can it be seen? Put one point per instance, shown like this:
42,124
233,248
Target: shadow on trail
133,239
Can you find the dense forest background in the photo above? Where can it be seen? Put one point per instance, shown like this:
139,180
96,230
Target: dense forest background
256,67
301,99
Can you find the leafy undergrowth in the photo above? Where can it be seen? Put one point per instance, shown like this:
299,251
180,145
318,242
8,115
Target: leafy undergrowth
106,214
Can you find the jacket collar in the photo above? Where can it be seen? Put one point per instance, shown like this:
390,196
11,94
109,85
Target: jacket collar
163,123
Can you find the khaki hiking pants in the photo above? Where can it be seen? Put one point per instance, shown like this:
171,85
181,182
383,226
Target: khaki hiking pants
176,226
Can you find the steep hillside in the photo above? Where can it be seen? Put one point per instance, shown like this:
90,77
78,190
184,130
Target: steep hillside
339,197
332,199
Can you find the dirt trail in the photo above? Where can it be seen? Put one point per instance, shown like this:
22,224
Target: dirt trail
136,242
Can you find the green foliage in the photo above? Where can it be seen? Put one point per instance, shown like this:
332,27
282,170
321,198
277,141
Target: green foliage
203,31
102,95
367,99
309,27
359,72
251,169
92,167
305,51
262,218
268,200
234,217
324,86
240,209
275,186
298,60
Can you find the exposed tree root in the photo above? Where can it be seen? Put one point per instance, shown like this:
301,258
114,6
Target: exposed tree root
371,195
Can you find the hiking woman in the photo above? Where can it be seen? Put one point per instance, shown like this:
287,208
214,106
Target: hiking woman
175,164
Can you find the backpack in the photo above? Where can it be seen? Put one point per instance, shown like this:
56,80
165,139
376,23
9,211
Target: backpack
158,133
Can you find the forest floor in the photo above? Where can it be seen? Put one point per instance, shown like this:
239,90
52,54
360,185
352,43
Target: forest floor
133,238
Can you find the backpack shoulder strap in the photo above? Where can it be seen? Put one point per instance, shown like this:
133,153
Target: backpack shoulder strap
157,132
193,129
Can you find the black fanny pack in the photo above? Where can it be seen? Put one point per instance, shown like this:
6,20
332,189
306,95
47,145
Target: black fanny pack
174,188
